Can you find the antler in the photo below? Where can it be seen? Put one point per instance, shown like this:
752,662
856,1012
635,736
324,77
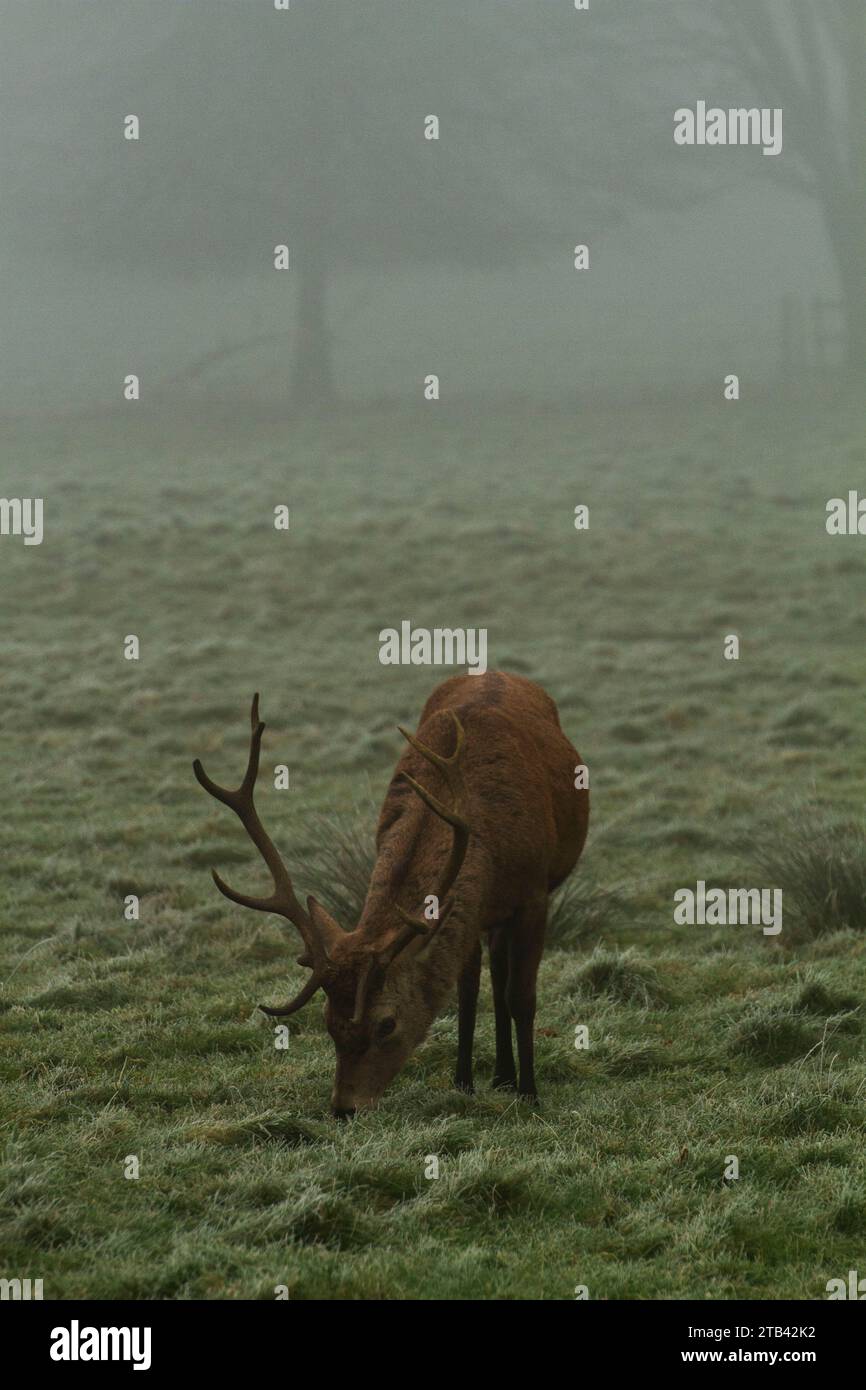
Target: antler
450,768
318,930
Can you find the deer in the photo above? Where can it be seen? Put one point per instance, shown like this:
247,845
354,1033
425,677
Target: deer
482,819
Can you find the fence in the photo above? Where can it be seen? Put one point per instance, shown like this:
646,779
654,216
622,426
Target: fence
812,337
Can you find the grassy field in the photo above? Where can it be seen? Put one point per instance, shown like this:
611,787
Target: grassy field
142,1038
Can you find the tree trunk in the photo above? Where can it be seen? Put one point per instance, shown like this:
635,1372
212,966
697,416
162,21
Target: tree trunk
313,374
838,159
851,264
842,212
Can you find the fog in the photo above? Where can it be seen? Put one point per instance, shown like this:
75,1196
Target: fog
407,255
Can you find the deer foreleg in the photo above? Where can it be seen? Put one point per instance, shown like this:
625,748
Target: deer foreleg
504,1071
525,948
467,1003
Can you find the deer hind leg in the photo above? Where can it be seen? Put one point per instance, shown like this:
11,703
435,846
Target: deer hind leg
467,1003
504,1072
525,948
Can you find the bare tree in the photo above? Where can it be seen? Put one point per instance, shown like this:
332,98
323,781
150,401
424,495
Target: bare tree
810,59
308,128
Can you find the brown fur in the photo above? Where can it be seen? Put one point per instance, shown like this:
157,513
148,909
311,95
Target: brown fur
528,826
507,825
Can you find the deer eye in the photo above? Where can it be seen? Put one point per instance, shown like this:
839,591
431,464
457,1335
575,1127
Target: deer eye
386,1027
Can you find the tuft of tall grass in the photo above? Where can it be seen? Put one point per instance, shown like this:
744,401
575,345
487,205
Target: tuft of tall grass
582,908
618,975
342,861
820,865
772,1034
816,998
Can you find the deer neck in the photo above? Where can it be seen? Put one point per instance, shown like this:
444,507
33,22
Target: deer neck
444,956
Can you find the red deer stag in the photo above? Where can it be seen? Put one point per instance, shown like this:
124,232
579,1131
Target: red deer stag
494,826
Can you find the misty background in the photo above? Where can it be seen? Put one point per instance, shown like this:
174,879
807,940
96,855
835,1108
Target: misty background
410,256
601,390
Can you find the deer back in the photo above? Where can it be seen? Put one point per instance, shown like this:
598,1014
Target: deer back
528,820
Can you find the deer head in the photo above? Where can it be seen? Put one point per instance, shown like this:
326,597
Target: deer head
381,990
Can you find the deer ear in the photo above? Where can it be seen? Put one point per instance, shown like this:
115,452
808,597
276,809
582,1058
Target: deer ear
328,928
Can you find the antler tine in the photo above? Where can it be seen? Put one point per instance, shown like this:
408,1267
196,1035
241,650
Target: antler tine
236,797
365,975
413,927
283,900
420,926
438,759
452,817
449,767
306,994
451,771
